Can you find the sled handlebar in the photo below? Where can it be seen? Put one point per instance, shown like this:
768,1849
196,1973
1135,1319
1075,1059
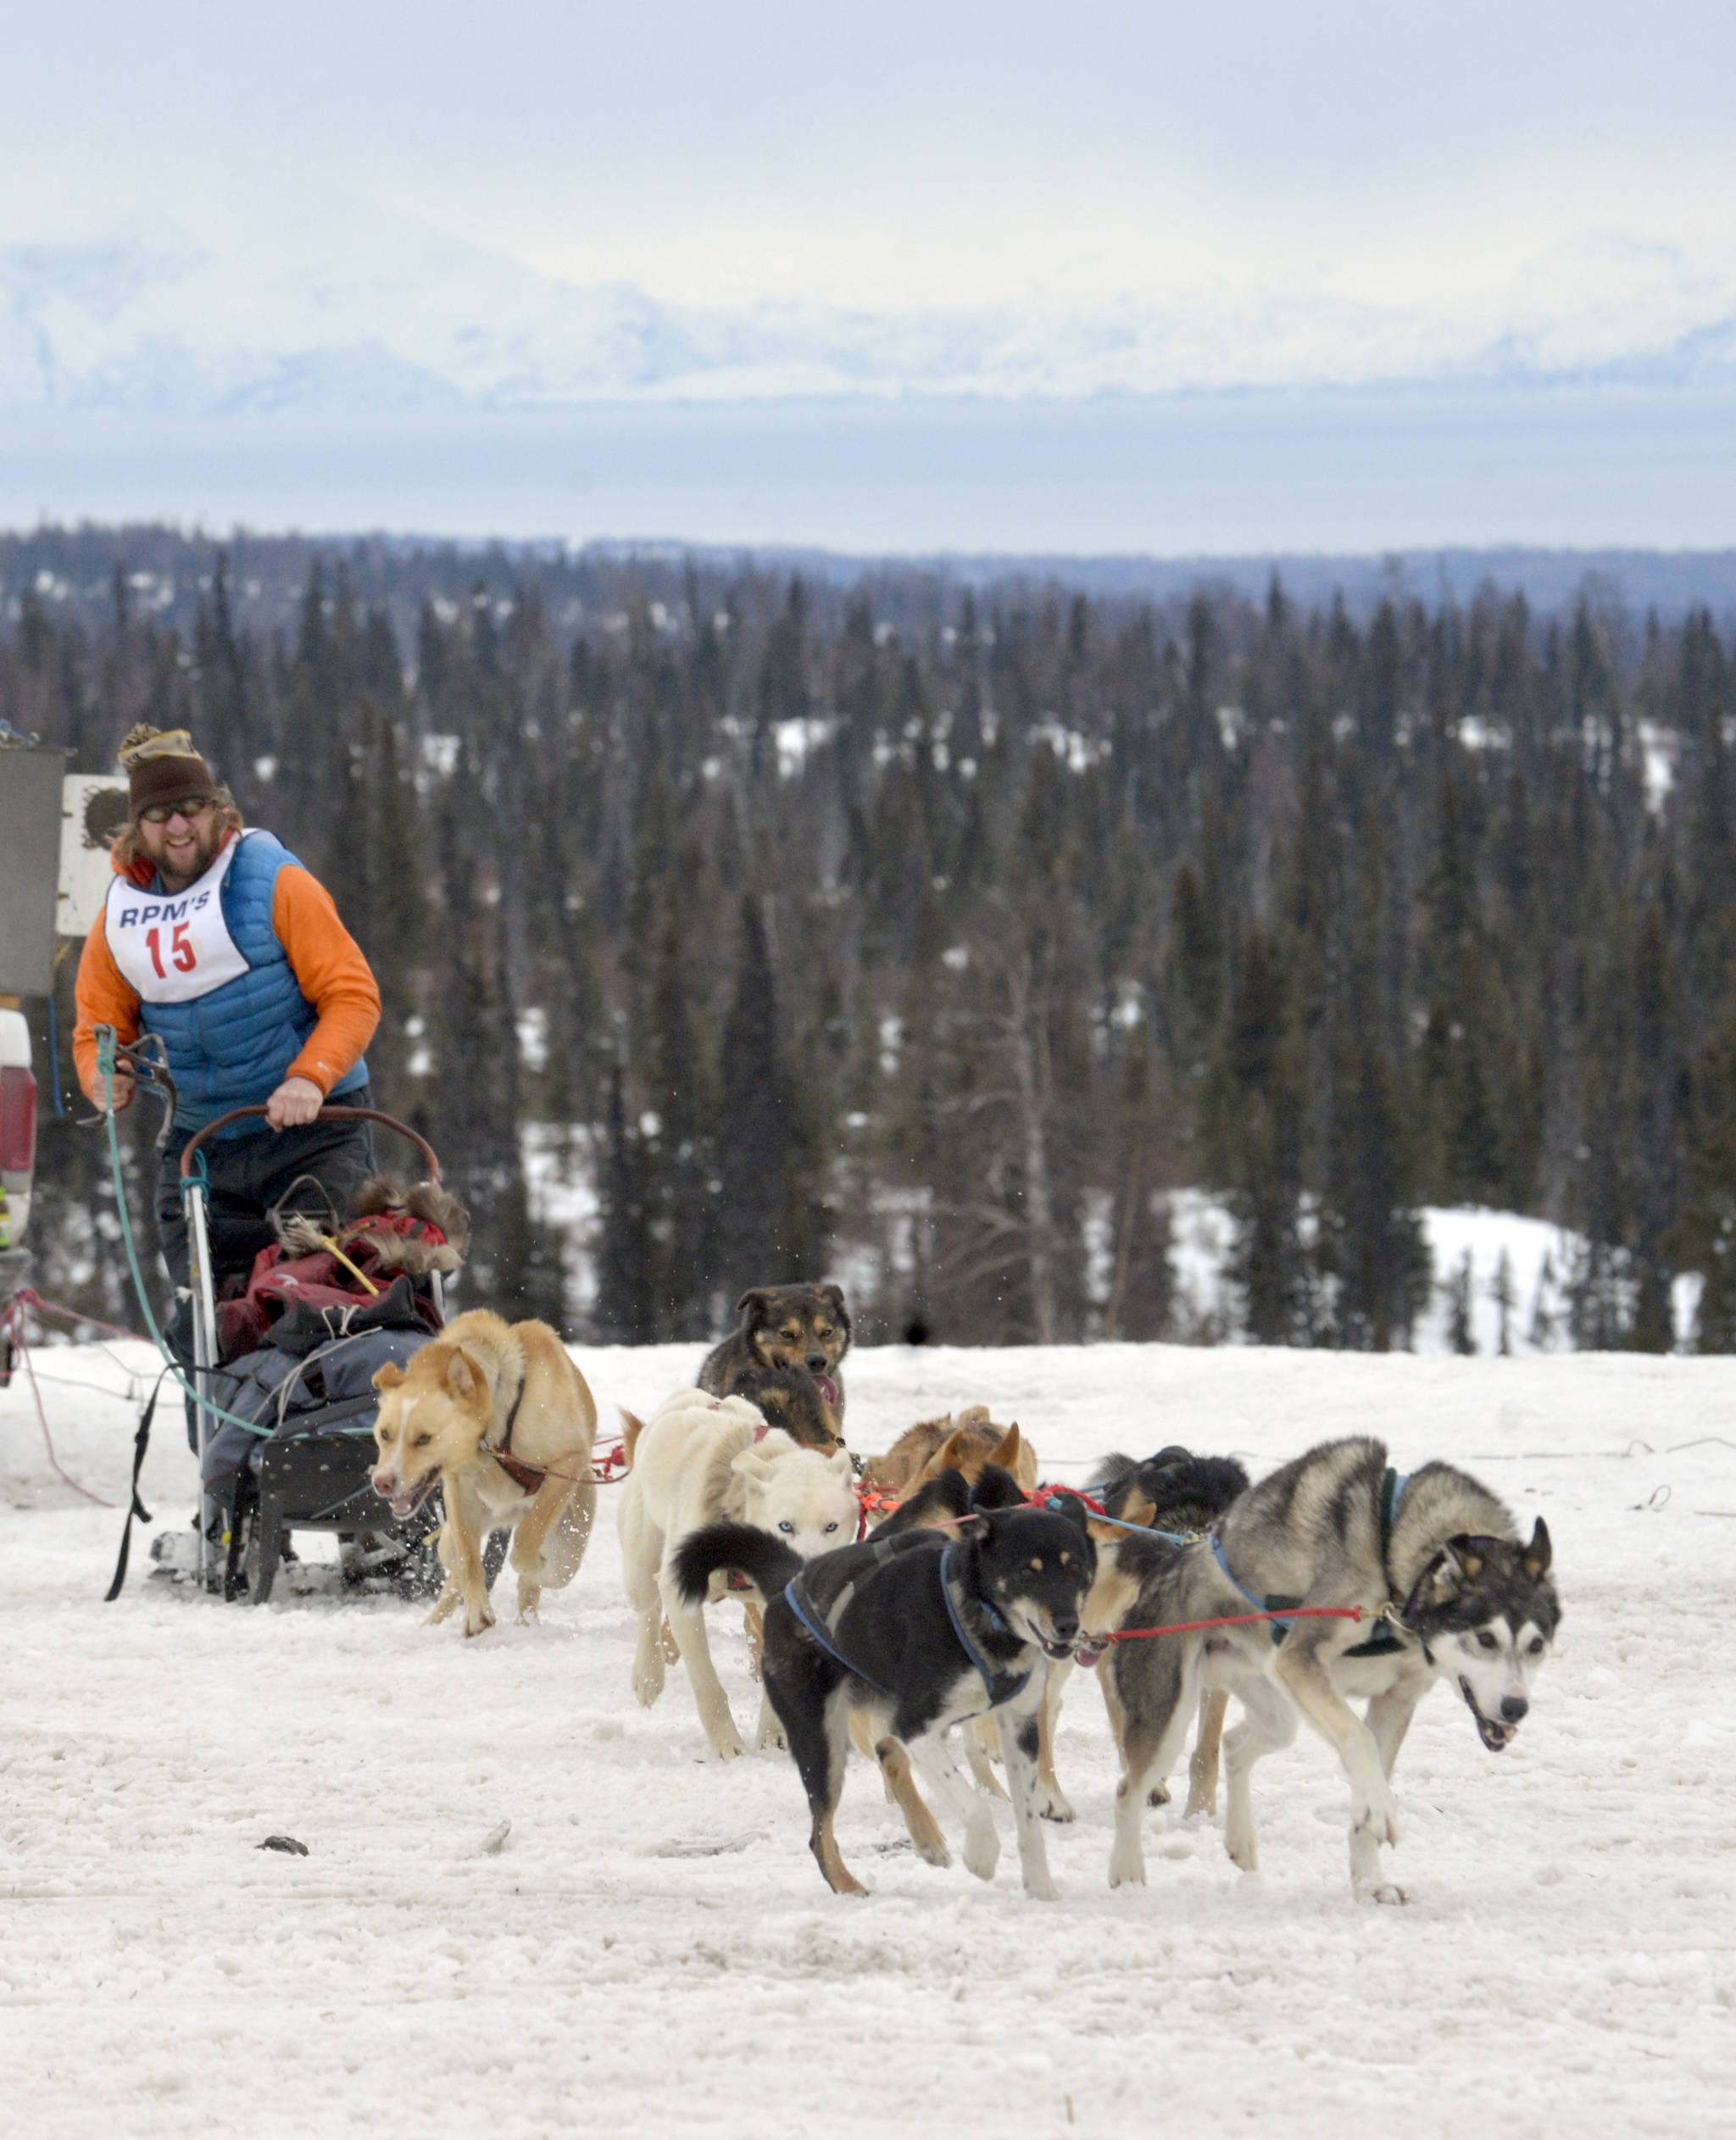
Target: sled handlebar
325,1115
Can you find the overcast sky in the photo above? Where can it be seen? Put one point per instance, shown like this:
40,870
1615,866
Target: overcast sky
1465,160
1006,246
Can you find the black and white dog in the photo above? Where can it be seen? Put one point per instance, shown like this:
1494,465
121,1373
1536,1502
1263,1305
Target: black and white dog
1447,1590
917,1632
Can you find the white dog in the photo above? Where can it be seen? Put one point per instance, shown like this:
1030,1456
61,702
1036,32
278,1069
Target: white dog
700,1459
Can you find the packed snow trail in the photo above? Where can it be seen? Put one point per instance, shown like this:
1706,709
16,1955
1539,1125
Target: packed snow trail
652,1949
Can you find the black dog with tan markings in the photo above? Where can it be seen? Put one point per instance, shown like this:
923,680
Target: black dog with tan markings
916,1632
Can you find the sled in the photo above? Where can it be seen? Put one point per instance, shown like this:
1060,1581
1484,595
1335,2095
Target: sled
313,1472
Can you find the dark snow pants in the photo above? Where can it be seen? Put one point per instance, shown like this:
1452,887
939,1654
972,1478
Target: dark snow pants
249,1174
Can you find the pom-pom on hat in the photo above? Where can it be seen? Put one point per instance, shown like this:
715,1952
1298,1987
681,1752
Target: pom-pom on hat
162,766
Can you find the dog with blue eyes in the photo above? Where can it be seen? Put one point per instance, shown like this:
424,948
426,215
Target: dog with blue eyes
703,1459
1448,1588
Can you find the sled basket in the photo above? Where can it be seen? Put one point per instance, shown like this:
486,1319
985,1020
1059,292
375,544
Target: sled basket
309,1469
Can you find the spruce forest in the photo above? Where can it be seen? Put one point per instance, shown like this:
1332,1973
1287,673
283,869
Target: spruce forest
736,926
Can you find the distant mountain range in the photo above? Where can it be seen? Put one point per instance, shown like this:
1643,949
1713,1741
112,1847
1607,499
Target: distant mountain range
409,321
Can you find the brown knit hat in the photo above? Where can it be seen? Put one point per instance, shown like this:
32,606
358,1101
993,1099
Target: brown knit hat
162,766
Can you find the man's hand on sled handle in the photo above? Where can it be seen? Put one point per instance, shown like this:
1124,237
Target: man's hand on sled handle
296,1101
123,1084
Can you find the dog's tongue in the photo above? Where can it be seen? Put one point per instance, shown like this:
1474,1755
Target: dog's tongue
828,1388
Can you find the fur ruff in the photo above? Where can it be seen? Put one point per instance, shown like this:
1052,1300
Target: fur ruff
383,1196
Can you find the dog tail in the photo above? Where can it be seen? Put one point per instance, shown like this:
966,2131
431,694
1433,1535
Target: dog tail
766,1561
1191,1496
632,1429
1109,1470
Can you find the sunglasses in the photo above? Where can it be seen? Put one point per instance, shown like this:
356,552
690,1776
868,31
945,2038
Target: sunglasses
160,813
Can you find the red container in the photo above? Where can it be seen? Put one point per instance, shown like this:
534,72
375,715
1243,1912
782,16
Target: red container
17,1120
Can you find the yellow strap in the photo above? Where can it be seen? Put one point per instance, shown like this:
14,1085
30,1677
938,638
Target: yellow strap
327,1242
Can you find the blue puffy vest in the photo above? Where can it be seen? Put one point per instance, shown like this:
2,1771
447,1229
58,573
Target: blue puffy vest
231,1048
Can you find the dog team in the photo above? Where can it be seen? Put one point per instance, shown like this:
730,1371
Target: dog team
939,1585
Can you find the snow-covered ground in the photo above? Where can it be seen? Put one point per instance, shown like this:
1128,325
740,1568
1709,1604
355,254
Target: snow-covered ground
653,1951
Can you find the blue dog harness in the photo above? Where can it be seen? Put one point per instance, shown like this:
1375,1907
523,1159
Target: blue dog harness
1002,1686
1383,1641
807,1614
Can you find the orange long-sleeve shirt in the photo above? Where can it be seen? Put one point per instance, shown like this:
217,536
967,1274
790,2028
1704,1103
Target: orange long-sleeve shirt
326,960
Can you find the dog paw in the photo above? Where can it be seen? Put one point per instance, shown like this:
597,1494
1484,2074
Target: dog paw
1375,1816
1127,1867
1052,1805
1159,1794
1201,1805
648,1681
727,1745
1242,1845
770,1736
1383,1891
982,1853
933,1854
1042,1888
476,1623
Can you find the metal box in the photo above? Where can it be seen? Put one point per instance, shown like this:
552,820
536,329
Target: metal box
30,782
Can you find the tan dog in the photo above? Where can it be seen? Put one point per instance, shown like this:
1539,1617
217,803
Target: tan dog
501,1420
956,1441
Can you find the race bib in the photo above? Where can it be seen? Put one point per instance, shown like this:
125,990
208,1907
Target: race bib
173,946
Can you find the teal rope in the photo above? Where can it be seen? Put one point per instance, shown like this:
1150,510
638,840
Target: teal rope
105,1066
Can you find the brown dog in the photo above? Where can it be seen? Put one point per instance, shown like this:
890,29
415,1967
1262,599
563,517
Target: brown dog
804,1326
500,1418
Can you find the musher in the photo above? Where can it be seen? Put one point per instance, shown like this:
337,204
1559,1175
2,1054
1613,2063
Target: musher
213,937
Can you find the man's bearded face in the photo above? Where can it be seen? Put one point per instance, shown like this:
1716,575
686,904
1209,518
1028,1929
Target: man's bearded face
187,845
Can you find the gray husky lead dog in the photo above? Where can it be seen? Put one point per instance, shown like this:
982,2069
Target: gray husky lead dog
1447,1590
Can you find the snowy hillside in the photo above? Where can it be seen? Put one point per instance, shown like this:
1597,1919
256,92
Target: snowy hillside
1482,1255
653,1951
